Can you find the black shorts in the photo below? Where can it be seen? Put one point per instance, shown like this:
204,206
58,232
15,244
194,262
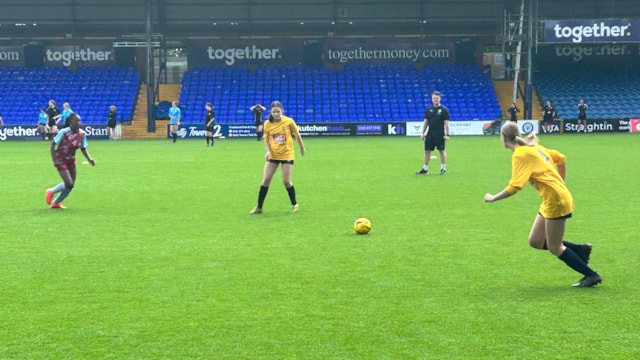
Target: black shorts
547,121
582,118
559,218
431,143
208,128
111,125
277,162
51,123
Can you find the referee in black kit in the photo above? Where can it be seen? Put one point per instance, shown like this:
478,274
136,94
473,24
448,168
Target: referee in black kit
257,110
548,114
54,115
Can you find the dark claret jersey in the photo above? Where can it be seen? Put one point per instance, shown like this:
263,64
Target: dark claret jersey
210,115
257,116
68,142
52,113
582,111
548,113
436,115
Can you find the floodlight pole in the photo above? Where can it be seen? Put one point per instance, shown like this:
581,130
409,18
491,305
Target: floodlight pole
151,116
528,90
516,77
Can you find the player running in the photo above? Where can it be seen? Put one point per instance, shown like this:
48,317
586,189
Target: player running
68,140
545,170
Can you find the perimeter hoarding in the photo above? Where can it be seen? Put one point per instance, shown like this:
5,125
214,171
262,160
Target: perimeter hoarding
634,125
476,127
30,132
314,129
411,128
596,126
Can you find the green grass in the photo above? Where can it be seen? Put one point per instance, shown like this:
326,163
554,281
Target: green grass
157,256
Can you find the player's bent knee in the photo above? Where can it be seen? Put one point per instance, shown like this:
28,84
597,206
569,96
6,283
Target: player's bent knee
536,243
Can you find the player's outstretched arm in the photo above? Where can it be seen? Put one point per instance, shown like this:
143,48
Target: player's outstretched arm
88,157
301,144
499,196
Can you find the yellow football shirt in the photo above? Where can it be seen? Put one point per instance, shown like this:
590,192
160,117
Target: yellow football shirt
537,165
279,135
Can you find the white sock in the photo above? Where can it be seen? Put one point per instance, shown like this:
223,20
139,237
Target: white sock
56,189
443,166
425,167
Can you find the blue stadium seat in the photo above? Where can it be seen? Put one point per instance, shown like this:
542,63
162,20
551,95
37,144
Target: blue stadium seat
609,93
357,93
89,90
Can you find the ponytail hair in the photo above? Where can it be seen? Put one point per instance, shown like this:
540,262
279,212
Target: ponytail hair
511,133
532,139
521,141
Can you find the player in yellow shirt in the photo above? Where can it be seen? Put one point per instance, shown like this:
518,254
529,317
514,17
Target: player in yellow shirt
545,170
279,132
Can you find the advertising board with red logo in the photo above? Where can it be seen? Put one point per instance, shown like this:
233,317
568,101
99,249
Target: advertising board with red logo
635,125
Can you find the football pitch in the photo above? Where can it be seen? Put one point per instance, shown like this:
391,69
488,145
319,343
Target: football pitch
157,257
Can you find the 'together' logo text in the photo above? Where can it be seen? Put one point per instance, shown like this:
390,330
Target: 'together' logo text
230,55
597,30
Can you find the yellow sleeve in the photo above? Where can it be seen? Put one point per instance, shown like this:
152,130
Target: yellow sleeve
266,135
557,157
520,173
294,129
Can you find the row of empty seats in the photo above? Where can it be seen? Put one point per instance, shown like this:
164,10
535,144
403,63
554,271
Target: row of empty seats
608,92
89,91
357,93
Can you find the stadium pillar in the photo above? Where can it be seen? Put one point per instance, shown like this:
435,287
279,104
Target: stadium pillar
151,116
528,90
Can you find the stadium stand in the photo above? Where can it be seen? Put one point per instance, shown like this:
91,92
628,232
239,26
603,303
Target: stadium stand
357,93
89,90
610,93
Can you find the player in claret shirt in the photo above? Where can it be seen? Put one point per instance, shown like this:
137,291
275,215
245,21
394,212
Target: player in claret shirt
68,140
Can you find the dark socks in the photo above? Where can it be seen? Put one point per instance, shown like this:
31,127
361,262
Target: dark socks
292,195
174,136
577,248
211,137
575,262
262,195
207,140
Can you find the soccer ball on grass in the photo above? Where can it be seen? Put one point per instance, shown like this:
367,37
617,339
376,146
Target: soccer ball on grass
362,226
